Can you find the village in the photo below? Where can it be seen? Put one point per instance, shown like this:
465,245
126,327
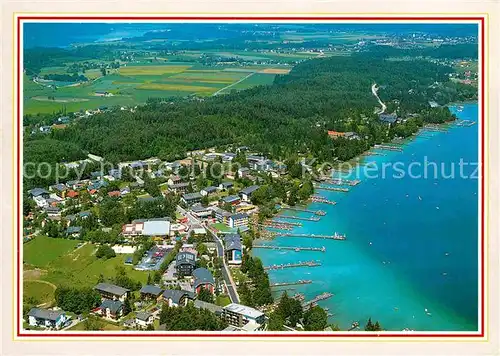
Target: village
193,257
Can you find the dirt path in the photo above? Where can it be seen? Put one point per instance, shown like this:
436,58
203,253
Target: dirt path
230,85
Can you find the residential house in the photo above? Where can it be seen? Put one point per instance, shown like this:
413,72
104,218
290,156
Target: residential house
203,279
46,318
335,134
60,189
237,220
221,215
241,316
243,172
45,129
74,231
143,319
388,118
231,199
226,185
175,298
191,198
114,193
124,191
72,194
201,211
173,180
246,193
233,249
112,292
149,292
111,309
207,191
181,187
228,156
54,213
351,136
185,263
38,192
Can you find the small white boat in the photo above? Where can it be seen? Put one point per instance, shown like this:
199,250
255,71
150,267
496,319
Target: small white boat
437,207
419,197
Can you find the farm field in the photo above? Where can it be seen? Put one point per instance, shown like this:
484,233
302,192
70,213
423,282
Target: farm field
134,84
73,267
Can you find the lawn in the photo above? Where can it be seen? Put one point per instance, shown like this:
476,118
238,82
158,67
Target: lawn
42,250
41,291
72,267
105,326
222,300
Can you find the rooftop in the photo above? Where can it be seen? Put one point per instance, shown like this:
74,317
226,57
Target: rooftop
149,289
112,305
45,314
156,228
249,190
191,196
202,276
232,242
144,316
244,310
111,289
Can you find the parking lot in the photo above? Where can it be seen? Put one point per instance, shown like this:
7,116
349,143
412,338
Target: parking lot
152,260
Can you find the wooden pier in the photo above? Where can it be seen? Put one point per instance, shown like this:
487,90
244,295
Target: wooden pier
293,265
332,189
304,210
283,284
434,128
289,223
291,248
465,123
335,236
314,301
388,148
340,181
320,199
312,218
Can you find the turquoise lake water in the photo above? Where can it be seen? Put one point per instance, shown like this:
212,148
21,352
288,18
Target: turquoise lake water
412,243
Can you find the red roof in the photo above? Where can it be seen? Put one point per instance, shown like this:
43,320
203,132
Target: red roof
115,193
92,191
72,194
335,134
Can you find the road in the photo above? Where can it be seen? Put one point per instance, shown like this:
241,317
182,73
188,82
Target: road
374,92
231,286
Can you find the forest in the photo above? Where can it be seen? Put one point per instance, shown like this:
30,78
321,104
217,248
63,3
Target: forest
287,118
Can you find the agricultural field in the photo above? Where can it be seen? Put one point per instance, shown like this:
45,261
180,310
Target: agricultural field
71,266
133,84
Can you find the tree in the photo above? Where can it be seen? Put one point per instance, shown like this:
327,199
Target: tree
205,295
77,300
276,322
149,279
103,71
127,307
315,319
93,323
104,251
372,327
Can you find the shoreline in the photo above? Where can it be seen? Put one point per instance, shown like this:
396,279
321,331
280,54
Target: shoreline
307,204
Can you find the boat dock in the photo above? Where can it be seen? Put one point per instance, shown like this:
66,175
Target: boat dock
373,153
312,218
304,210
340,181
288,223
465,123
332,189
283,284
293,265
336,236
434,128
312,302
291,248
388,148
320,199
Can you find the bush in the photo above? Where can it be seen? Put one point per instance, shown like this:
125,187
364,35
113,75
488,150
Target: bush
104,251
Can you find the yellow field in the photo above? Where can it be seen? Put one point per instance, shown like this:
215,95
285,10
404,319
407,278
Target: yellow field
175,87
275,71
152,70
